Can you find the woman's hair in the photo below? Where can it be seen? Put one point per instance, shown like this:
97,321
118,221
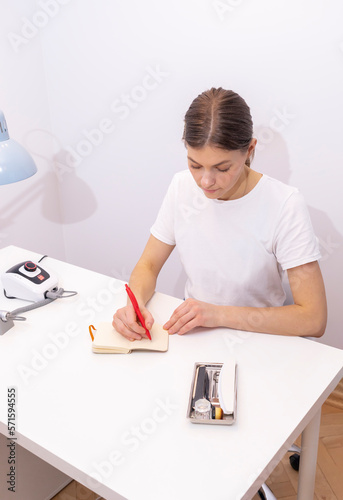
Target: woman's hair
219,118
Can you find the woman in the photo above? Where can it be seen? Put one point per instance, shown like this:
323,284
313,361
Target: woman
237,231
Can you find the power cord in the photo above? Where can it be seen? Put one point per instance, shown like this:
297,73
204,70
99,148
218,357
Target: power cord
43,258
59,294
14,314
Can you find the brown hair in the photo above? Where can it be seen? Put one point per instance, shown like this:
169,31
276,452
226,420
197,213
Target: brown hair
219,118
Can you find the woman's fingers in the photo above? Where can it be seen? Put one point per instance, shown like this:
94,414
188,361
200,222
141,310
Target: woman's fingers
190,314
125,322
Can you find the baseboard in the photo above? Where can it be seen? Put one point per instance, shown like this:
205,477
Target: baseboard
336,397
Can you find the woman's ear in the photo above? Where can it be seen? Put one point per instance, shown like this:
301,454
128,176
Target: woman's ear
251,152
252,146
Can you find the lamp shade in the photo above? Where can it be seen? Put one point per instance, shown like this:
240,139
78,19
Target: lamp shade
16,163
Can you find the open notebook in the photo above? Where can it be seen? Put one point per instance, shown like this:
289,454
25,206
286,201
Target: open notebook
108,340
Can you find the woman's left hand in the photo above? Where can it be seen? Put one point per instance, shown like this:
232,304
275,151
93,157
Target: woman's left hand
190,314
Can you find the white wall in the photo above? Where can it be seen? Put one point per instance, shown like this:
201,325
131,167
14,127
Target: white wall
284,58
29,210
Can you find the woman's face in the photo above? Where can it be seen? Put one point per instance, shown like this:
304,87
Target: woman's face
221,174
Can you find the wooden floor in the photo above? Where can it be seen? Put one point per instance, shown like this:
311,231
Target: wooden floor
329,475
283,481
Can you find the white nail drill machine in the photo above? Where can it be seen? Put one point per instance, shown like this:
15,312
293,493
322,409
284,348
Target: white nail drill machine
28,281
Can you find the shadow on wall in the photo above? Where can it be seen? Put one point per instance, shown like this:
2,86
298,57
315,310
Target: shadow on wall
72,191
273,160
75,189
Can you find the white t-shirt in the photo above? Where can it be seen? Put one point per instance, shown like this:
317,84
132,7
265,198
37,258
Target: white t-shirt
234,252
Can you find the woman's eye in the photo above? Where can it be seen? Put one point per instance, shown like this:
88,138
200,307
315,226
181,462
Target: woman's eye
196,167
223,170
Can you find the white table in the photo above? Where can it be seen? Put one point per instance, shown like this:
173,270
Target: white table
117,423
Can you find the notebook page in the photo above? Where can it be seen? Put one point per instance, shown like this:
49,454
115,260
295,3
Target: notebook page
107,338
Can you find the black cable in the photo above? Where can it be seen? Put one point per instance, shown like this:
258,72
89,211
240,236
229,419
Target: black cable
42,258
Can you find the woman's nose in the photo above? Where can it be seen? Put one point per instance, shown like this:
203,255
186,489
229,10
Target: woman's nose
207,180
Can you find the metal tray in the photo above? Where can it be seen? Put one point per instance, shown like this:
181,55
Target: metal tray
205,385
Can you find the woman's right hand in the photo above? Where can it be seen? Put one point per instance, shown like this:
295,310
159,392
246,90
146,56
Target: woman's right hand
125,322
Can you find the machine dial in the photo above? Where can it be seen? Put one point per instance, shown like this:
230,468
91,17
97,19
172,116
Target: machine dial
30,266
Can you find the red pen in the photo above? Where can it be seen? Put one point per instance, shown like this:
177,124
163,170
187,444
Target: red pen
137,310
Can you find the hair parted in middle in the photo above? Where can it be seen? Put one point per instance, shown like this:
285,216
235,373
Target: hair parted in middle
219,118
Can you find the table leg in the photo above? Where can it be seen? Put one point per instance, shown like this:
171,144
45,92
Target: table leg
308,460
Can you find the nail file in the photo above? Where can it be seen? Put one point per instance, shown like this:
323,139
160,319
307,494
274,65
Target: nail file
227,386
200,385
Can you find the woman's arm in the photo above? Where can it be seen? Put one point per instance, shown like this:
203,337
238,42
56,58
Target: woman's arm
306,317
142,283
144,275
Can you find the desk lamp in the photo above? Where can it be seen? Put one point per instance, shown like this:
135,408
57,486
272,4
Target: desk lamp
15,162
15,165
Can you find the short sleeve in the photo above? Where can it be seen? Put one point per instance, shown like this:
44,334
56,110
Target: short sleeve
163,227
295,243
